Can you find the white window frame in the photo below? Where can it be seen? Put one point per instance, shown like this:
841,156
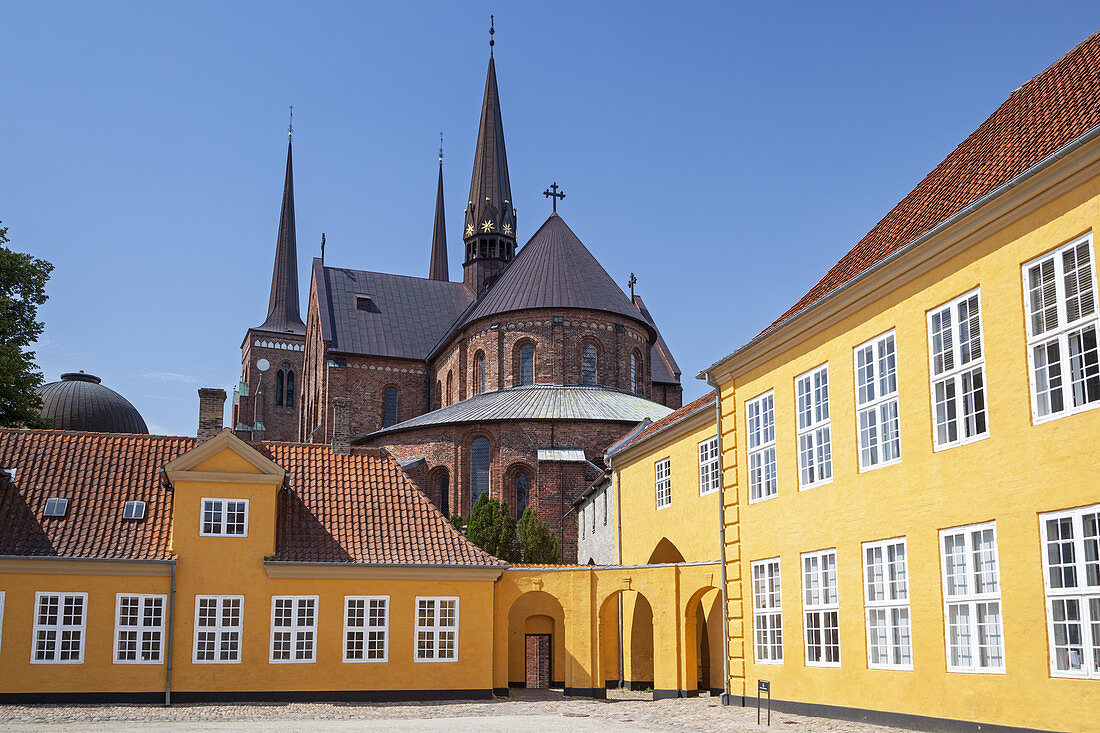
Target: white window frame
767,611
815,436
887,580
816,586
760,426
1086,594
60,628
219,630
299,632
710,474
143,631
662,484
878,403
971,600
435,629
1062,332
953,372
367,628
224,522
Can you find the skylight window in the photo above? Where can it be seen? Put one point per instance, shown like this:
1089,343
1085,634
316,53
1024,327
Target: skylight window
56,507
134,510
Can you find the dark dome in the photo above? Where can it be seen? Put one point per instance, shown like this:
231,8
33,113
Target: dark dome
80,402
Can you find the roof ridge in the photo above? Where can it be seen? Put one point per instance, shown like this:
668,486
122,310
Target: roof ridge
90,433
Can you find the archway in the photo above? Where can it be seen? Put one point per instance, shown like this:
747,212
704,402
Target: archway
536,641
626,653
703,643
665,552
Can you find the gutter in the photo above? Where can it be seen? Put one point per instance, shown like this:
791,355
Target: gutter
726,697
168,641
958,216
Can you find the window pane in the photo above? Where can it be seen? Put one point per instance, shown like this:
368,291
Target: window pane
479,468
1084,367
1042,297
1080,300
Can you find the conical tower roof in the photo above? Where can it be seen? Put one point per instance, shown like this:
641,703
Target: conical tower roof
490,210
437,268
555,270
282,310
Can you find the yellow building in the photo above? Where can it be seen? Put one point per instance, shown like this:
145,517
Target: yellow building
910,502
149,568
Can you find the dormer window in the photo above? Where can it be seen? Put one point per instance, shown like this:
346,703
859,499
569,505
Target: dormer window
224,518
7,474
56,507
133,510
363,302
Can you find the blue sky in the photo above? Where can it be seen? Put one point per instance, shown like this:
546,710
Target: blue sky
726,153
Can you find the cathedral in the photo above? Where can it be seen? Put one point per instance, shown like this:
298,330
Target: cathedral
511,381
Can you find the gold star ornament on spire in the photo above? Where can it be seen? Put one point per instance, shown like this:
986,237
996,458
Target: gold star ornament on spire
487,225
469,230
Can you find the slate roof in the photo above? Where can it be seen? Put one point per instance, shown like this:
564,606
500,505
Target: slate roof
691,408
539,402
357,508
554,270
80,402
664,369
408,315
1046,113
282,308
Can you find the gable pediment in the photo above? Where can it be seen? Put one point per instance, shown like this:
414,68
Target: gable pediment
225,457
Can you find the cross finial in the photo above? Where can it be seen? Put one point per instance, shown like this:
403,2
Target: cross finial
440,146
322,246
290,130
553,193
492,30
632,282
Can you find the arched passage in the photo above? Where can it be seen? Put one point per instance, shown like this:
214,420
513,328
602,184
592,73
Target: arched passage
534,616
626,655
702,643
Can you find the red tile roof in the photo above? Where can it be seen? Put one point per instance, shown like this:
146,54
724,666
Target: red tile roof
97,473
1053,109
358,508
687,410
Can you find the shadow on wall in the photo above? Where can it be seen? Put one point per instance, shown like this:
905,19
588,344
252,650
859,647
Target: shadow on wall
665,552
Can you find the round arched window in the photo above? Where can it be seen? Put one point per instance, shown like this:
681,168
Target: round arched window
479,468
588,364
522,485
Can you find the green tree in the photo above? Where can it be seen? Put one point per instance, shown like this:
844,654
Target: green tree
22,289
536,542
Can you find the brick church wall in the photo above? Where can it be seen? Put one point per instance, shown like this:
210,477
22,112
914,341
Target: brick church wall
513,445
280,421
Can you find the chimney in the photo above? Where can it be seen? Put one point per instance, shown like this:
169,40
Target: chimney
211,412
341,425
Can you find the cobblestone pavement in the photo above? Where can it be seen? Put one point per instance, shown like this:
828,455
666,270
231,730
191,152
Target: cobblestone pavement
525,710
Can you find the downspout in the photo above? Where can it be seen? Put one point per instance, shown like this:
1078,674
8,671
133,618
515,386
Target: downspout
615,481
725,699
168,641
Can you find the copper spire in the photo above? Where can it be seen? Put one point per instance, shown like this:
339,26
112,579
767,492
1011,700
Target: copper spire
490,211
282,309
437,267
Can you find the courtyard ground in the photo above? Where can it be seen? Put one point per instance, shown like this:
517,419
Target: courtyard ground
523,711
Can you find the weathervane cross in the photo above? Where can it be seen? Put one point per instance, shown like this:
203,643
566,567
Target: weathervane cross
553,193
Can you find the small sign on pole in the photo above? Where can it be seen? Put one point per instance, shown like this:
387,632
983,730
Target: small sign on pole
763,686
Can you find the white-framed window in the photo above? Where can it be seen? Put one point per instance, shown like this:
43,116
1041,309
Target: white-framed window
663,473
972,599
59,621
1071,565
218,624
760,418
886,601
224,518
139,628
821,607
436,629
767,606
366,628
293,629
815,445
1060,290
957,371
709,476
877,418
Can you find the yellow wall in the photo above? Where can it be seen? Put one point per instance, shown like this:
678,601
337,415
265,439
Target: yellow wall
1019,471
690,523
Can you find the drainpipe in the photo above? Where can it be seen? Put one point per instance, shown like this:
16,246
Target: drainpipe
725,699
168,641
619,542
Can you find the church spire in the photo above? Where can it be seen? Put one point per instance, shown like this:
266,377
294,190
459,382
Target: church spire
282,309
437,268
490,226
